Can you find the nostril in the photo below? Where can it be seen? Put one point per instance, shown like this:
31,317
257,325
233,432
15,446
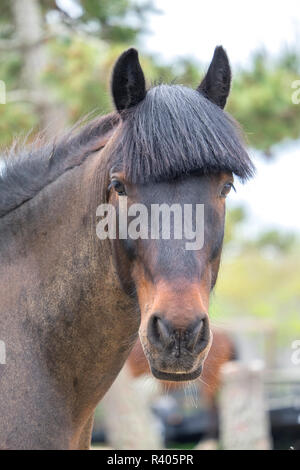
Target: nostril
163,330
158,331
195,334
199,336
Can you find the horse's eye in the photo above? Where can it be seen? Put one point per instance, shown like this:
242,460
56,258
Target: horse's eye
226,189
118,187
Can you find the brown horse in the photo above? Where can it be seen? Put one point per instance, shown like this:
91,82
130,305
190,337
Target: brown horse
70,302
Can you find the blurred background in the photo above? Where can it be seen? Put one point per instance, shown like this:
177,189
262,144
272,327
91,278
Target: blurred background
56,60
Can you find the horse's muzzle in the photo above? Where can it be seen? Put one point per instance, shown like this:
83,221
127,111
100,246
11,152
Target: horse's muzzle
177,353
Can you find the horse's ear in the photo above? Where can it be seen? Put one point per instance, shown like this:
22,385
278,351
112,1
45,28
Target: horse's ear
128,81
216,84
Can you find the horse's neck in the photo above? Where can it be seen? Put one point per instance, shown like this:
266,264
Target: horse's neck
52,237
62,309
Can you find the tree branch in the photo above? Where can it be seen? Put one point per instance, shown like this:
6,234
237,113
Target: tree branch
25,95
7,45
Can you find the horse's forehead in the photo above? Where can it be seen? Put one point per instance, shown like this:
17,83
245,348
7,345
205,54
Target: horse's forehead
180,190
190,189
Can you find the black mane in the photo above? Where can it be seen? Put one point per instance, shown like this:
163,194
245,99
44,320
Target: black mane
27,169
175,131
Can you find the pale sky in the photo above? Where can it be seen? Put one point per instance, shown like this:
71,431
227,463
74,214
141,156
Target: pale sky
272,197
194,27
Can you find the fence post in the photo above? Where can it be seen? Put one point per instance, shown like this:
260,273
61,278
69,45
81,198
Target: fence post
244,422
2,92
2,352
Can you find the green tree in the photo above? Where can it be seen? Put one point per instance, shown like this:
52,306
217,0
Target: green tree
67,59
261,100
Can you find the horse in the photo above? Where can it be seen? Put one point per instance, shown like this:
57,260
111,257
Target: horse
73,300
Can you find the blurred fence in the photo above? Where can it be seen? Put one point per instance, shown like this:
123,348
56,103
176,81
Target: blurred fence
257,405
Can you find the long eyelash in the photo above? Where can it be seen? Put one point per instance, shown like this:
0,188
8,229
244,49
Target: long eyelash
233,187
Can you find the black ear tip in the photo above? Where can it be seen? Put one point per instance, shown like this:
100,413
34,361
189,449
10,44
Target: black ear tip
220,49
221,54
130,52
128,56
